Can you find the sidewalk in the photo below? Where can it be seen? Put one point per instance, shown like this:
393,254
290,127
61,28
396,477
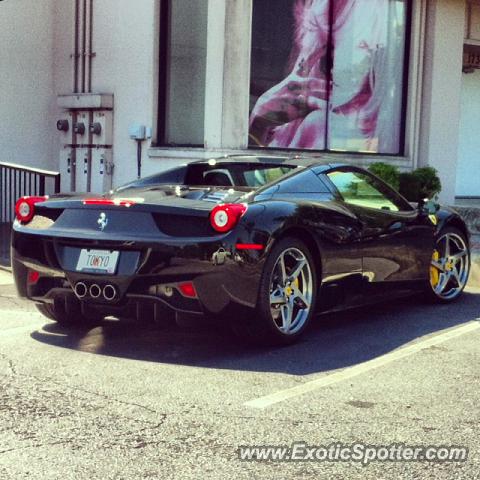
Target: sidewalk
5,277
475,271
4,243
7,288
469,210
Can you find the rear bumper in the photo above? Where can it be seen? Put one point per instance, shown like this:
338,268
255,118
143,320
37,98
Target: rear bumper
149,276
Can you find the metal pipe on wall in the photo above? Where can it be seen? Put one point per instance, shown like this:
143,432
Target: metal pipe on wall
89,50
83,46
84,43
76,45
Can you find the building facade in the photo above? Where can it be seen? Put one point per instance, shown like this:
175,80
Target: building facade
160,82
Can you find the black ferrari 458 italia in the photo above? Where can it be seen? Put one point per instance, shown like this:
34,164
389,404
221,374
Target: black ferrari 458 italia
261,242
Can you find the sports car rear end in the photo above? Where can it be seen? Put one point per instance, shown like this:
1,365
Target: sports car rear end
138,256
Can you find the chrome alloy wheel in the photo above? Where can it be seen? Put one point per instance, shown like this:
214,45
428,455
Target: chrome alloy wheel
450,266
291,291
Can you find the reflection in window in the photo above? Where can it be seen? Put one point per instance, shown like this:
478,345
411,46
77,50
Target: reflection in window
261,176
358,189
187,57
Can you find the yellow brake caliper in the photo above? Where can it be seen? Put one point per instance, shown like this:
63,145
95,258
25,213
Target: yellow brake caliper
434,272
289,290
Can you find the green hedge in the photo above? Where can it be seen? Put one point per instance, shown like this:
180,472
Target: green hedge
388,173
414,186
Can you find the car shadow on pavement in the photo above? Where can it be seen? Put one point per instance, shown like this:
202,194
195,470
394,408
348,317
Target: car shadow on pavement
334,341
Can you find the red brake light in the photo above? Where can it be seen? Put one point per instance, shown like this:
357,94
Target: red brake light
224,217
188,290
33,277
25,208
249,246
105,201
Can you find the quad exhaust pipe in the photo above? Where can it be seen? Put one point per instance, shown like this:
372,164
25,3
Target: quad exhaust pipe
95,291
109,292
81,290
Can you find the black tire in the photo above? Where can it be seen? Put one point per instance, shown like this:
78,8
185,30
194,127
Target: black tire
56,311
431,295
259,326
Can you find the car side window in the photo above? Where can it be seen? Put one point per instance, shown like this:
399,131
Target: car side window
361,189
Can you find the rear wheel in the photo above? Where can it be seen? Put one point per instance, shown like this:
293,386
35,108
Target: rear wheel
287,295
450,266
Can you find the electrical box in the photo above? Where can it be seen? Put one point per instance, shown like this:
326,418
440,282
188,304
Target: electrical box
67,169
137,132
85,130
83,169
102,170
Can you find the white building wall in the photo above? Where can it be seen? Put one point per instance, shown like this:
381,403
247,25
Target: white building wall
27,94
124,41
468,170
442,81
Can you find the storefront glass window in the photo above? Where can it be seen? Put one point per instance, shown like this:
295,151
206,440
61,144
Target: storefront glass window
186,69
328,75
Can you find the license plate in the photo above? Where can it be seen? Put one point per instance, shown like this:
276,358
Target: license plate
98,261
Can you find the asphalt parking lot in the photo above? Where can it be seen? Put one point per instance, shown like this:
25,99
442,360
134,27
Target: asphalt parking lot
123,401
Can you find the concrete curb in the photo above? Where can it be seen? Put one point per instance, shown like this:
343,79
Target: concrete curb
475,271
471,216
475,259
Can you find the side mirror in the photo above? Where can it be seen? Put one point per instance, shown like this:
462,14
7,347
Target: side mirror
428,207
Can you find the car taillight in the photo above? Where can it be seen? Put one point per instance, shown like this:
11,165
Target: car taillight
25,208
188,290
33,277
224,217
116,202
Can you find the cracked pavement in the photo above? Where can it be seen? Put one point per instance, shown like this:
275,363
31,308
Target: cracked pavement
124,401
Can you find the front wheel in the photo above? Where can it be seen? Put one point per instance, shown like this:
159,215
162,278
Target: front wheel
287,295
450,266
